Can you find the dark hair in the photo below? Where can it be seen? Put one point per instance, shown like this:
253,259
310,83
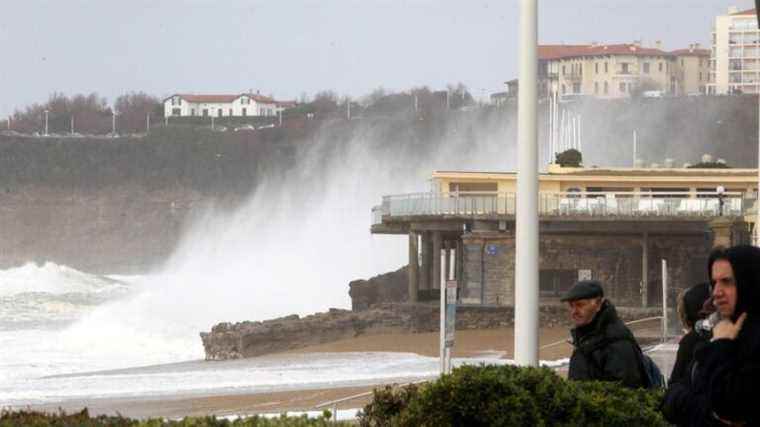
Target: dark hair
690,303
745,263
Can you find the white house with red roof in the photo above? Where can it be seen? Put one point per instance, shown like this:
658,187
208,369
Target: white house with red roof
235,105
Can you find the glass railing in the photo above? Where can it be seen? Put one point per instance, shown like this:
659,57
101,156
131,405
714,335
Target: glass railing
579,204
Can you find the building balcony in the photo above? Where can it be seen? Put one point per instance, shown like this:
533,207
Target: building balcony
573,76
574,205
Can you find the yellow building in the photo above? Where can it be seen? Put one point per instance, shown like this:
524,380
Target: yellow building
618,70
735,55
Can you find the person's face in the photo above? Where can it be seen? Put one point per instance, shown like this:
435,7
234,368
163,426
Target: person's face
582,311
724,288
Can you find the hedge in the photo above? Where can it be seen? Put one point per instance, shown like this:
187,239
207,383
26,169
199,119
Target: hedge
512,396
83,419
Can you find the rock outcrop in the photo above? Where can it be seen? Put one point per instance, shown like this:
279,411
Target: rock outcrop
382,289
250,339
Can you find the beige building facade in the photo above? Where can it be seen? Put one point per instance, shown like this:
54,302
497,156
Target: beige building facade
621,70
735,54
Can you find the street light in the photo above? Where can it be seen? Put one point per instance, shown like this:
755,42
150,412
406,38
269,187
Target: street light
113,122
721,194
46,122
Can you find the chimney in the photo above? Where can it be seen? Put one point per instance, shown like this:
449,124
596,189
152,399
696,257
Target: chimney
658,44
732,10
637,43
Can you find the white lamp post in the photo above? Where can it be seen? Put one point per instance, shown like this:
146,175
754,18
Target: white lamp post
526,219
46,122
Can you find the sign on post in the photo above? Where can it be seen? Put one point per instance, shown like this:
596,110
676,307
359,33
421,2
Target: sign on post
451,312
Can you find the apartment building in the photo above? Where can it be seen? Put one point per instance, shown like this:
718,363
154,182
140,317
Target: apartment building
620,70
735,54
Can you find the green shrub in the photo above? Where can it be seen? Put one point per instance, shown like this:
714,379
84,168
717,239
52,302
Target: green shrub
512,396
83,419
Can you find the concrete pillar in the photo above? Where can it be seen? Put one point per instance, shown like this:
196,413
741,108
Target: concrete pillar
729,232
412,270
459,261
645,270
425,265
436,276
447,260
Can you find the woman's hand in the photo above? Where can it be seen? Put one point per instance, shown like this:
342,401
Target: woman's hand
726,329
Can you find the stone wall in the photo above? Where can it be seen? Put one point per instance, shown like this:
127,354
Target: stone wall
615,260
251,339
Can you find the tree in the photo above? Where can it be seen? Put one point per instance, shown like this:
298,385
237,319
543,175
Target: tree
571,158
133,108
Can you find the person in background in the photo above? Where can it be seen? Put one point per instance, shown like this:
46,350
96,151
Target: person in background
721,388
604,348
690,310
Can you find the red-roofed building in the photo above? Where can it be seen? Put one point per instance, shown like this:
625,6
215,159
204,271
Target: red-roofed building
735,54
618,70
234,105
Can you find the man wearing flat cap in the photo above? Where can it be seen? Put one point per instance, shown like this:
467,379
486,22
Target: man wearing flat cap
604,348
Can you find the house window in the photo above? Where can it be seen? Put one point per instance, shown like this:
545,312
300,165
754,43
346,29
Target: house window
205,112
682,62
596,68
245,112
219,112
576,88
624,66
563,89
176,111
563,70
230,111
606,88
700,76
622,87
192,112
606,69
596,88
659,67
646,68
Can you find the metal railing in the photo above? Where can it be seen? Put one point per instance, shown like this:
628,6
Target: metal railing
584,203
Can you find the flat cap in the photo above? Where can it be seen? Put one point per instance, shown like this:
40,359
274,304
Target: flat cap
583,290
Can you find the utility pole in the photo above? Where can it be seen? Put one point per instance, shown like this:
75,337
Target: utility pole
113,123
279,113
72,125
46,122
526,220
147,123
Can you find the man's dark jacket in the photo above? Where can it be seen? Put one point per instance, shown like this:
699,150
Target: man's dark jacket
606,350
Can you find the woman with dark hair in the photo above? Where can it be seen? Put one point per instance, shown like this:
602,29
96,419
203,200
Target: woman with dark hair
722,386
690,310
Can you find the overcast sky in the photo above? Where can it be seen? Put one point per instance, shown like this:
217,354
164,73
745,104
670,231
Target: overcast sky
289,47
